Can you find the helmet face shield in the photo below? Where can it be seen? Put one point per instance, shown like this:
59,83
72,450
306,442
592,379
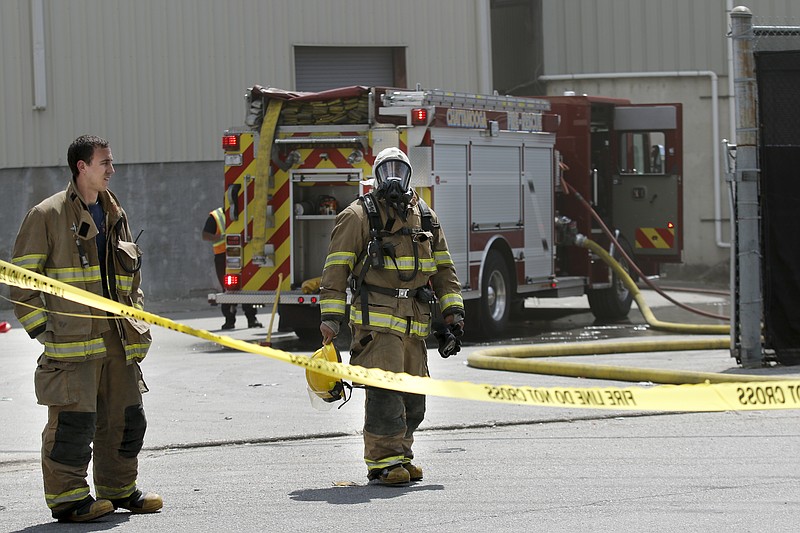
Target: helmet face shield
393,169
322,387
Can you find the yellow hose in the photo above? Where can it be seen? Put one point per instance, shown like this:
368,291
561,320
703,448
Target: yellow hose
720,329
517,358
497,361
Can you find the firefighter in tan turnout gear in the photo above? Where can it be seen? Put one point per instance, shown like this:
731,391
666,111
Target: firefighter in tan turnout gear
88,375
387,246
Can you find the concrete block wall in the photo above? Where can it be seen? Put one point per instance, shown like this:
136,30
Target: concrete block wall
170,202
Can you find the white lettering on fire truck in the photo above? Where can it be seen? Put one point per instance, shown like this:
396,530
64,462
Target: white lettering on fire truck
466,118
519,121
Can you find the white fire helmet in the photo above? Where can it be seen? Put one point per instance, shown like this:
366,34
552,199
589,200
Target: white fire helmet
392,164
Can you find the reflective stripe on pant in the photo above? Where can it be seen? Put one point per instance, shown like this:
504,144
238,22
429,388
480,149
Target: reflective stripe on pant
97,401
390,420
390,417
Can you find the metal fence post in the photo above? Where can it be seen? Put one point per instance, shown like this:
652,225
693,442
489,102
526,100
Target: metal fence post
746,317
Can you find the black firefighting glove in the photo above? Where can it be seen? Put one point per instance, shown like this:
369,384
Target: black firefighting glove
449,338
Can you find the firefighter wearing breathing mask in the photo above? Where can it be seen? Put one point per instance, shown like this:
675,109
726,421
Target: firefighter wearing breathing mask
388,248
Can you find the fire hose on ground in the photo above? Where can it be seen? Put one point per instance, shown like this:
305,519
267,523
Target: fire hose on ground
621,250
521,358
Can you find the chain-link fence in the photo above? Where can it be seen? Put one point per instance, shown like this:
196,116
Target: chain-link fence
773,35
766,190
777,50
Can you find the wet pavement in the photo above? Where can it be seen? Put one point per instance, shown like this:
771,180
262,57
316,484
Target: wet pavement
233,444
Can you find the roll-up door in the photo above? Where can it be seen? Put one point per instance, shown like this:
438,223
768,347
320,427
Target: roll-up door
320,68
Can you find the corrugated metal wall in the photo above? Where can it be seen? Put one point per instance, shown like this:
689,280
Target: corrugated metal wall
591,36
161,79
585,36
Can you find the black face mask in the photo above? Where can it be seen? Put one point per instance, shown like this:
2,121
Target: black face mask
392,192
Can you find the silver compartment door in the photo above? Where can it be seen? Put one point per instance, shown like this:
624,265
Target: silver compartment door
450,201
537,191
495,185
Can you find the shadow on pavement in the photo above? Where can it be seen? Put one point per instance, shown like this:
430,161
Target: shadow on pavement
356,494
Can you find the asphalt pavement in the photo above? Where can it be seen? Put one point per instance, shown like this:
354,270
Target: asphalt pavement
234,444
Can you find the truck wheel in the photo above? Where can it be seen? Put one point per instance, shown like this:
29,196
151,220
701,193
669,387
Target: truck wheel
494,307
613,303
304,321
312,336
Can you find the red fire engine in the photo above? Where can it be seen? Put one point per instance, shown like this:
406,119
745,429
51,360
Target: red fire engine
511,178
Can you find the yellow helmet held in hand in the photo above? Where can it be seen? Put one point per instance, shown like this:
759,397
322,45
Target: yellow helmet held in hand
327,388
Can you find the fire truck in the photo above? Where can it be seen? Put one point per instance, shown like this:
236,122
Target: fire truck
510,178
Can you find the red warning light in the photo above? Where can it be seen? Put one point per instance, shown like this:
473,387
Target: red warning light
230,143
231,281
670,225
419,116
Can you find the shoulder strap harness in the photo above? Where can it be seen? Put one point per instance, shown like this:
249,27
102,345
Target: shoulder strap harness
377,249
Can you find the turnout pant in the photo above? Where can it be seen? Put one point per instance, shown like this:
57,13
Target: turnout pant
96,401
390,417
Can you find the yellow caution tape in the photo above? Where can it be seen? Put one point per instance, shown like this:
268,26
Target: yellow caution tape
777,394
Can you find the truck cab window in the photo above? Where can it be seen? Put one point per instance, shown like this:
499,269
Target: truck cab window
641,153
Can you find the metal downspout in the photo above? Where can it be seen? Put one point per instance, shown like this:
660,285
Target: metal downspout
484,23
731,99
39,55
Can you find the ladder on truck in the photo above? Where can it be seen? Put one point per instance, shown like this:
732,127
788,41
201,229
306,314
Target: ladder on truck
439,97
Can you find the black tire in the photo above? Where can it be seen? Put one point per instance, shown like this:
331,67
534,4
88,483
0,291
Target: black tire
309,335
614,303
313,337
304,321
497,295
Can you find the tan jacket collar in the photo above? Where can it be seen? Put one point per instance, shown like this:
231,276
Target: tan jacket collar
85,227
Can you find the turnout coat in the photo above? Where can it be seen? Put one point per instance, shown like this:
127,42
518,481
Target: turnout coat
388,299
57,239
